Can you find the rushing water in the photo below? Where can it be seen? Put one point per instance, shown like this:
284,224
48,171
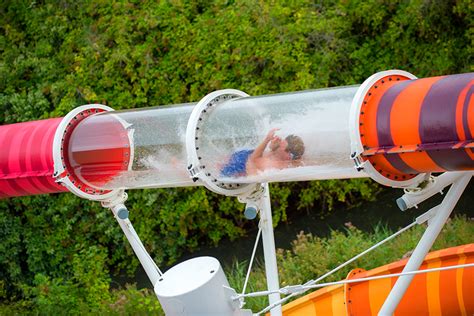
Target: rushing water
365,216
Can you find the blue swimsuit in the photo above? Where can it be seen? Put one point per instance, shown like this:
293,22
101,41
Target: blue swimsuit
236,167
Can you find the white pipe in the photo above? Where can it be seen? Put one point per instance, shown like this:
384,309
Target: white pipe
268,240
427,240
411,199
152,271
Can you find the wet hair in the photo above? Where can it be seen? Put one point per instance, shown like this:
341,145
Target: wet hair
295,146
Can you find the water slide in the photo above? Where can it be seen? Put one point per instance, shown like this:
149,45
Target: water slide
402,129
394,128
446,292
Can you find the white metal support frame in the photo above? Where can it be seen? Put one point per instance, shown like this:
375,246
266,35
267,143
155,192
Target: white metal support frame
120,212
435,225
261,200
269,252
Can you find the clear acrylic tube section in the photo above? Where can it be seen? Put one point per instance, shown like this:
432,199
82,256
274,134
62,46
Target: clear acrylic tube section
157,154
272,138
283,137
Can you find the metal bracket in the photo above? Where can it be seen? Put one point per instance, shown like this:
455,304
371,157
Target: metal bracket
194,172
427,216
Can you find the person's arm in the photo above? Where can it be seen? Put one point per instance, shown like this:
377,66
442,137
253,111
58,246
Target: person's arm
258,152
253,164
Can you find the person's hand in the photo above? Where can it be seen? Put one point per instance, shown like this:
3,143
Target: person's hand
271,135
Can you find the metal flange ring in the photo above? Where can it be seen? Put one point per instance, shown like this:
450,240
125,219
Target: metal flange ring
357,144
197,167
63,173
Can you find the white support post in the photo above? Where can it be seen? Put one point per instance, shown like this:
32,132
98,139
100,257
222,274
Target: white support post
269,252
434,228
121,215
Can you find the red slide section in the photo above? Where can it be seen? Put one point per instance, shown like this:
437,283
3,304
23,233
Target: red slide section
26,158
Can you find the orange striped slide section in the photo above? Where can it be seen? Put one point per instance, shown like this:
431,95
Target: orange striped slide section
426,125
436,293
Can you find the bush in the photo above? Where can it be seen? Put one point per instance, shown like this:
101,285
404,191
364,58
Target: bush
56,55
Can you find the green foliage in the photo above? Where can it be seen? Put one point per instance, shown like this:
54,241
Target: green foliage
329,193
56,55
84,289
130,301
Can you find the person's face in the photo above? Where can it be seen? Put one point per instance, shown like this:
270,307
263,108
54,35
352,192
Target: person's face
279,146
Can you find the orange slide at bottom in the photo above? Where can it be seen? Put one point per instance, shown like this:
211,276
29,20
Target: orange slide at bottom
448,292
